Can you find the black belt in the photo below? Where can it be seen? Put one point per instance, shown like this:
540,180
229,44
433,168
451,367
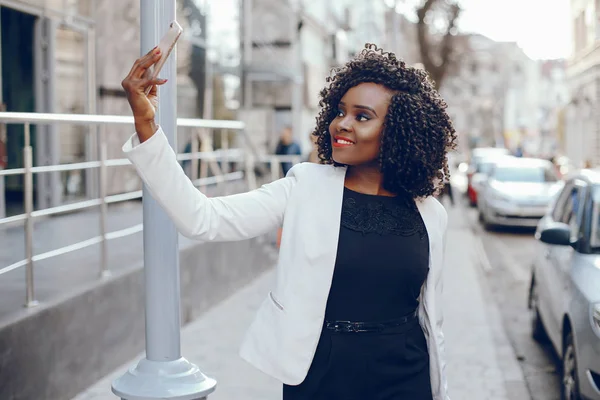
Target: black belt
352,327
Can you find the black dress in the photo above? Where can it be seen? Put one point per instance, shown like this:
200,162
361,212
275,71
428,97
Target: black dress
382,262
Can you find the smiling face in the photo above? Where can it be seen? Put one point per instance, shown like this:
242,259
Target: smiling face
356,130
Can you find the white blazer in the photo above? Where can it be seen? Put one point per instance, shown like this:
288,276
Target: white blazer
283,337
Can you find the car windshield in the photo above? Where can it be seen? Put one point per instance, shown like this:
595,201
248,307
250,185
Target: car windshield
484,167
524,174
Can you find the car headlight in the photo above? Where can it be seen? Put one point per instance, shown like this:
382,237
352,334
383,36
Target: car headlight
595,311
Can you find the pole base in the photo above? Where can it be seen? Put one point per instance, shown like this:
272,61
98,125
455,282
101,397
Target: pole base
172,380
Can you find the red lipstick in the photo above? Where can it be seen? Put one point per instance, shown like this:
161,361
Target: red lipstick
340,141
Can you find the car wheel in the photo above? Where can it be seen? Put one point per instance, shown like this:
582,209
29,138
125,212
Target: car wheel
484,222
570,383
538,332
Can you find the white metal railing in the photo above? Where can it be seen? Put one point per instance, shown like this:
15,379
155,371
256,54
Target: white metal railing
247,156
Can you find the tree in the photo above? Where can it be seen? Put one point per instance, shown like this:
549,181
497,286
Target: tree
436,34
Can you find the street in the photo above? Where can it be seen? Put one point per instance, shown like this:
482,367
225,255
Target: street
506,255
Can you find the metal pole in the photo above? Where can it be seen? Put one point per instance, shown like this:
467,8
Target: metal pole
163,374
195,149
250,172
28,197
275,168
92,140
247,9
104,271
3,136
298,80
160,236
225,158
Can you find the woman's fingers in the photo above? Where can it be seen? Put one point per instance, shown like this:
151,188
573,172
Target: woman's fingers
146,62
132,85
153,91
149,85
138,61
141,65
152,82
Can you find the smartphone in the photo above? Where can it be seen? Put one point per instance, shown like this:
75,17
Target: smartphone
166,45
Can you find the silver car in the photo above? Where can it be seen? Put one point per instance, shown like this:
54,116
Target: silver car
565,285
517,192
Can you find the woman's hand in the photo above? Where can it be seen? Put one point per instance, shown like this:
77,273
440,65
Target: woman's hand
143,106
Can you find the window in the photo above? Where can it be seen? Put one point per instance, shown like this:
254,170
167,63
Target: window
581,33
484,168
524,174
595,228
569,207
597,23
558,205
576,33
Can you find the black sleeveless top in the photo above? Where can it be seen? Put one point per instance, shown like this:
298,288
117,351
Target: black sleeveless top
382,259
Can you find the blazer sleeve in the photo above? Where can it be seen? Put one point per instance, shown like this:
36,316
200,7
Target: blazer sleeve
439,286
226,218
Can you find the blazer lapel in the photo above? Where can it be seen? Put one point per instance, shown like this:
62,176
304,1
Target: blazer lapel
324,198
428,215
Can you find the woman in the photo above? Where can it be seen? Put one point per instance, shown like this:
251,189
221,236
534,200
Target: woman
355,311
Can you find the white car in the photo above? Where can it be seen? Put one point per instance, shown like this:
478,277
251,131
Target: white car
517,192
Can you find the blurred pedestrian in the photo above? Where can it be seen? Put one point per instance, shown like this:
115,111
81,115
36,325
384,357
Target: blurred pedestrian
356,308
287,147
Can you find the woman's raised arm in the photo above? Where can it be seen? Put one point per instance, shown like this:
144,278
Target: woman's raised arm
235,217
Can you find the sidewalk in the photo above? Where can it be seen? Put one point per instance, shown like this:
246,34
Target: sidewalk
480,361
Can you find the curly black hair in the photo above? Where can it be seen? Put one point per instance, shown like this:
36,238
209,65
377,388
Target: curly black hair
417,132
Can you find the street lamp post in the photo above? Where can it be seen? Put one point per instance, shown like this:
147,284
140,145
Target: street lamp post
297,76
163,373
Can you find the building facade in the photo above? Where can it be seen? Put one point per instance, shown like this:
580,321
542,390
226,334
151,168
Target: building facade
554,97
288,48
70,56
583,74
496,94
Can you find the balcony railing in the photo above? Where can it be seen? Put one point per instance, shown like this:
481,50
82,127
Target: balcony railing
217,161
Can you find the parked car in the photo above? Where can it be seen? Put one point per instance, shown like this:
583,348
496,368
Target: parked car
517,192
564,296
479,177
481,159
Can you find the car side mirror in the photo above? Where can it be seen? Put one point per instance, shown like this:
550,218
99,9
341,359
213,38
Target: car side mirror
558,234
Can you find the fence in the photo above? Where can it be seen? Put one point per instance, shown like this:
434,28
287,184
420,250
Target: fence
217,161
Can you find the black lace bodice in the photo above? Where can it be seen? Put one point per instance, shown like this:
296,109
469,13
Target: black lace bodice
381,215
382,259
